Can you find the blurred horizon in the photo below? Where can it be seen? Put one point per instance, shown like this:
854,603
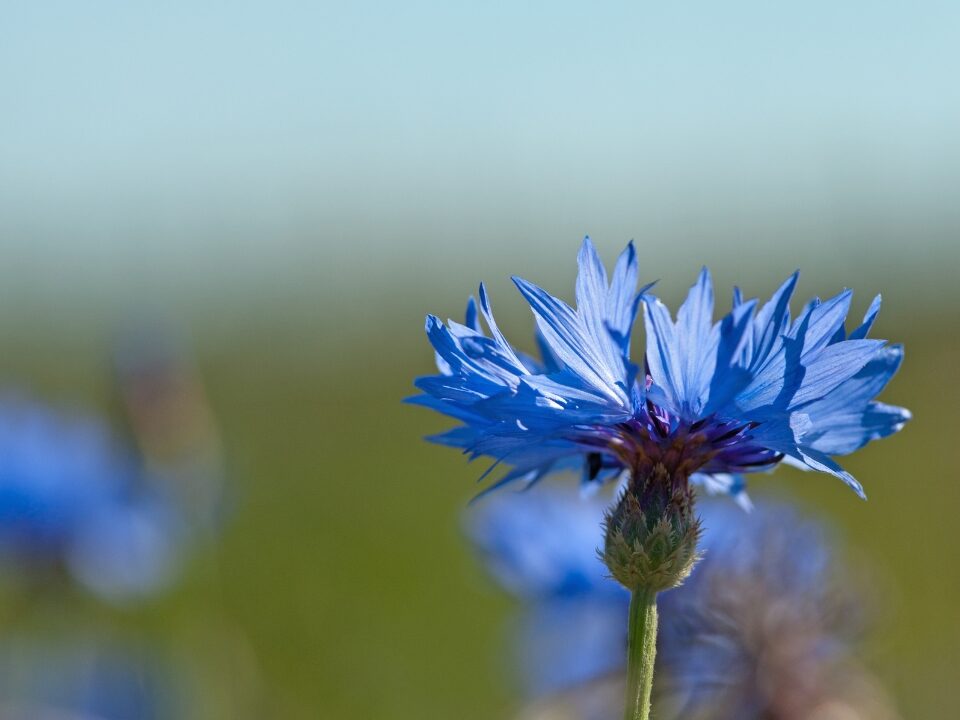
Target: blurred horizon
207,149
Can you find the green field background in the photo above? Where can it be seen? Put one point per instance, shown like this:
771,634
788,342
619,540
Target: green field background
340,586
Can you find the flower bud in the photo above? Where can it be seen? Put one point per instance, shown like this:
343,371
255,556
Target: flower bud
652,532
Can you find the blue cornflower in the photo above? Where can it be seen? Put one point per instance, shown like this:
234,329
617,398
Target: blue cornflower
758,630
716,399
69,497
542,548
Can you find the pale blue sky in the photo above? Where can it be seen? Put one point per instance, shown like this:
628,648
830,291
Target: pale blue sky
167,137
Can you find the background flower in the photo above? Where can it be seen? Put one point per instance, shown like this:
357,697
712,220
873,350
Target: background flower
541,546
70,496
84,679
766,627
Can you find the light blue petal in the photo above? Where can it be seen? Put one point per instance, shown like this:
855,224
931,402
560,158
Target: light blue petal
698,342
455,390
785,382
729,379
824,463
487,311
771,322
682,356
551,362
663,360
622,297
850,431
822,323
868,320
592,309
454,410
564,332
833,366
865,385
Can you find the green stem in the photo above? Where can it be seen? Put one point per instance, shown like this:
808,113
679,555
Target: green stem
641,651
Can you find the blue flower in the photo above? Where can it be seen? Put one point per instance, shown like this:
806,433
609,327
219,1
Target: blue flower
70,497
85,679
542,548
756,627
717,398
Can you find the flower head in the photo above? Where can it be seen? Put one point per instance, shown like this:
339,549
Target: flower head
716,399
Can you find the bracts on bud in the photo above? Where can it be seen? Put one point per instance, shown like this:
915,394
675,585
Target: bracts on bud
652,532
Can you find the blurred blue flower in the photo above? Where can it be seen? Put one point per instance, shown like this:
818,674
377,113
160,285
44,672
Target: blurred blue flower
716,399
765,625
85,680
542,547
757,624
70,497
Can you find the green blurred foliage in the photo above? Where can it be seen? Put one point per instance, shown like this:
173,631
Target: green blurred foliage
341,586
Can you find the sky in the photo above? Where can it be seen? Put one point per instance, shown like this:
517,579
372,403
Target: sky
152,141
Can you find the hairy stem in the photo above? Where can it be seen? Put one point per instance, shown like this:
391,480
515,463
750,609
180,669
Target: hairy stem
641,652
